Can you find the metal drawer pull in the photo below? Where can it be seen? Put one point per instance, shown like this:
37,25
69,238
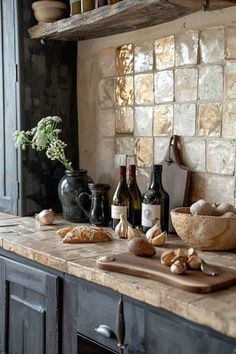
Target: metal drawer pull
105,331
120,326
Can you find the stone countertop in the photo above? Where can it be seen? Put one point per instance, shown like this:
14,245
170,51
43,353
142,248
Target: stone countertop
41,244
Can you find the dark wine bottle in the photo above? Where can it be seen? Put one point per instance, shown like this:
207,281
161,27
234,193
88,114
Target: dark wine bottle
155,202
136,197
122,200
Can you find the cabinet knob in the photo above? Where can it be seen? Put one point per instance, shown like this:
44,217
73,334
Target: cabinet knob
105,331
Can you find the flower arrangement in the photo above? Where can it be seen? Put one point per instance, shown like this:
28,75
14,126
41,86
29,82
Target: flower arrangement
44,137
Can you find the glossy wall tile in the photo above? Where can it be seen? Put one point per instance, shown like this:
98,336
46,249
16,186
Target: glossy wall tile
183,84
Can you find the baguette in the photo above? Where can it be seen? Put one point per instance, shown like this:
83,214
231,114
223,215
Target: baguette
87,234
62,232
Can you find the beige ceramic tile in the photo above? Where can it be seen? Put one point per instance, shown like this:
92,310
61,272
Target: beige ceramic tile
125,145
186,48
184,119
124,120
144,92
186,84
124,90
130,160
106,123
230,42
230,80
193,153
163,86
211,82
209,119
143,121
212,45
144,151
221,156
125,59
229,120
143,58
163,120
213,188
106,93
161,145
164,52
106,58
120,160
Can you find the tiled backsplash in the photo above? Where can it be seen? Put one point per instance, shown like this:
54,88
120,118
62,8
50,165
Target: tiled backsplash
182,83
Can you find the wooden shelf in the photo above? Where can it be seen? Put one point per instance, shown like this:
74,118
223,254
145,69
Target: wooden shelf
127,15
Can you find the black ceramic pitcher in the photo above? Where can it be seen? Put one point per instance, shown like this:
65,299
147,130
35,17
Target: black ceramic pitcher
99,211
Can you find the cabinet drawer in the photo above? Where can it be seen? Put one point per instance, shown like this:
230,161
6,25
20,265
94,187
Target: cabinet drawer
98,306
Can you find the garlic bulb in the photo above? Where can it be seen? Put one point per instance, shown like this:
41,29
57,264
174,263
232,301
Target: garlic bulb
167,257
191,252
178,267
45,217
132,233
181,255
121,229
159,240
154,231
194,262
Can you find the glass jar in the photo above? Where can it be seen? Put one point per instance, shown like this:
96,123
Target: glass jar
78,6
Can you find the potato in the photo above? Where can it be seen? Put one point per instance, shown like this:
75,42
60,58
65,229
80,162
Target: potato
224,208
228,215
141,247
201,207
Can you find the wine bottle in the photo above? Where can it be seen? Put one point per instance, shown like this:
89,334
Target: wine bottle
122,200
155,202
136,197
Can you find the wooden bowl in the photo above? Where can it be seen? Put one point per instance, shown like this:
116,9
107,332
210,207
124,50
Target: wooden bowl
49,11
212,233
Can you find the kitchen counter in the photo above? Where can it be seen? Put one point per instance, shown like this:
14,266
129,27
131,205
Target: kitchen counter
41,244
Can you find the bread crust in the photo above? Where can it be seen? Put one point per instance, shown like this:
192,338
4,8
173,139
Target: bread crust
62,232
89,234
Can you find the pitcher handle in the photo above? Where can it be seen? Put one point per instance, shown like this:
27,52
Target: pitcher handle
80,202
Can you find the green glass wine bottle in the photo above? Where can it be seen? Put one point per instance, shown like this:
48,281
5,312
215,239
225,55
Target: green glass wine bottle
155,202
136,197
122,200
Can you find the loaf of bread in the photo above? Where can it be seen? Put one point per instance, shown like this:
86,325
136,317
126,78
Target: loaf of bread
62,232
90,234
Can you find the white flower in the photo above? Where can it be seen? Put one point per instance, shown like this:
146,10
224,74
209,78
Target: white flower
44,137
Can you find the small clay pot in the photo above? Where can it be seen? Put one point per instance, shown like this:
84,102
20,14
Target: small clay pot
49,11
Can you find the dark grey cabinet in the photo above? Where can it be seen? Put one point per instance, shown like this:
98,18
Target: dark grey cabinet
29,322
43,311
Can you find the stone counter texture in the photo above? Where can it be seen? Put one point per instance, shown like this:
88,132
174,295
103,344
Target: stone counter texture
41,244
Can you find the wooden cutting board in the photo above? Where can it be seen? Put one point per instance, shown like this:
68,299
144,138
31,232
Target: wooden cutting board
151,268
175,177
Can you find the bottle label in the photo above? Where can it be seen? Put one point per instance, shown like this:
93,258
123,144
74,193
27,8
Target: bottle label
150,214
116,210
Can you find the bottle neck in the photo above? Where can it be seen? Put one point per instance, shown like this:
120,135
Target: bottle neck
156,180
132,173
122,174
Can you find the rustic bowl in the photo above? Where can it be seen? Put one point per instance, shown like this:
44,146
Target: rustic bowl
49,11
212,233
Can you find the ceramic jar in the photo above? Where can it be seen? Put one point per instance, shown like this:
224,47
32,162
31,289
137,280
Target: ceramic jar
70,187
